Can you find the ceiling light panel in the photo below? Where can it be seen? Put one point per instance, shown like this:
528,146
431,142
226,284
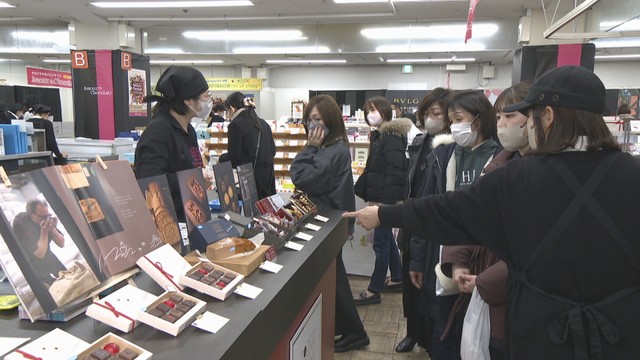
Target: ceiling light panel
169,4
245,35
451,31
434,60
57,61
442,47
282,50
289,61
201,62
6,5
617,43
619,57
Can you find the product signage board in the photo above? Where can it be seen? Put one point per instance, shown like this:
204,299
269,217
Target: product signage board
157,194
45,77
69,228
249,190
234,84
194,197
137,92
225,183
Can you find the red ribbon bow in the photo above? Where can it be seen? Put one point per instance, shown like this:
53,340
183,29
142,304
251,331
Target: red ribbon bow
158,266
115,312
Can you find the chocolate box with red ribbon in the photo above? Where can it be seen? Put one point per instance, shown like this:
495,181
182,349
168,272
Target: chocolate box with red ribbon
165,266
120,308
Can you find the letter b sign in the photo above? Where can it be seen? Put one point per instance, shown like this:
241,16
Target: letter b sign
126,60
79,60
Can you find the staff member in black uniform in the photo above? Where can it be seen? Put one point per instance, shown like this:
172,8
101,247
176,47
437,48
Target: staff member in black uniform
251,141
41,121
169,144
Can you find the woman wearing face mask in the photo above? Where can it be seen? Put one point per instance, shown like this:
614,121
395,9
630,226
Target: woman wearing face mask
387,183
454,166
323,171
169,144
250,141
475,266
432,111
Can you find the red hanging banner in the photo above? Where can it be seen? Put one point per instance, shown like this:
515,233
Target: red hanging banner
472,13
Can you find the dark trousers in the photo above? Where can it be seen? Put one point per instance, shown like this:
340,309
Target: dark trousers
448,348
387,258
418,324
347,317
496,349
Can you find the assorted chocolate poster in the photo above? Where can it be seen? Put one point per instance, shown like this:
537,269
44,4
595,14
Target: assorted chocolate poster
225,183
69,228
194,197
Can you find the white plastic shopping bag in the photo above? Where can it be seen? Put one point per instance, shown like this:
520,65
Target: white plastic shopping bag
476,330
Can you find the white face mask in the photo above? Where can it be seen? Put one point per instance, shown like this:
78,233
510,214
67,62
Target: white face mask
374,118
433,126
531,135
463,135
513,137
205,109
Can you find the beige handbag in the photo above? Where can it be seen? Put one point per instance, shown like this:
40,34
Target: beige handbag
72,283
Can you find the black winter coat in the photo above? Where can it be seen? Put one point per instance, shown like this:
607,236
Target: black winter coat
242,136
387,164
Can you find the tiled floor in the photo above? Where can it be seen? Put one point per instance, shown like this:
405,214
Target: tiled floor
385,325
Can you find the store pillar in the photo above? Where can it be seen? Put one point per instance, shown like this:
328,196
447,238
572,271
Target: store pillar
109,79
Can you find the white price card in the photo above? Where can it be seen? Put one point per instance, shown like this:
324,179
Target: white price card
293,246
247,290
321,218
303,236
312,227
210,322
271,266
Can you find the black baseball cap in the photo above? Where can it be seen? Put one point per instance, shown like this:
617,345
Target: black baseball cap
572,87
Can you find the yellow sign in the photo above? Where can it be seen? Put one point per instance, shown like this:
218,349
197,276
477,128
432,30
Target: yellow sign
234,84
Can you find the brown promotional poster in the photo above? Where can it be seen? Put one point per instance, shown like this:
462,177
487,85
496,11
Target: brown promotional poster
225,183
194,197
158,198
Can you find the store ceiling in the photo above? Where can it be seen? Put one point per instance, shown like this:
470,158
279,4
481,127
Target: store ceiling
331,31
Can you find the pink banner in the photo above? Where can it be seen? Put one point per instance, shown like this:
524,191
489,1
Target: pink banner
45,77
472,14
569,54
104,82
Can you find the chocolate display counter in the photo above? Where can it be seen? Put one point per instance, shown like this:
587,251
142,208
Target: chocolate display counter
257,329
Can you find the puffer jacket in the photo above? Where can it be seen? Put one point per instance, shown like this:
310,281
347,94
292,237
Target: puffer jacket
387,164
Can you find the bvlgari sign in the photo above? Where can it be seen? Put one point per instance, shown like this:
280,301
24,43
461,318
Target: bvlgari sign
45,77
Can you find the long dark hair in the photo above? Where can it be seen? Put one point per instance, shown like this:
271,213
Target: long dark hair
237,100
331,116
568,126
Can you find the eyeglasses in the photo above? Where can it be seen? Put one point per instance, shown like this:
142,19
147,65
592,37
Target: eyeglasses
433,115
314,121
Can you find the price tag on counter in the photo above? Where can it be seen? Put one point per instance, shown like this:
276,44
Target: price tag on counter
321,218
271,267
303,236
312,227
210,322
248,291
293,246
